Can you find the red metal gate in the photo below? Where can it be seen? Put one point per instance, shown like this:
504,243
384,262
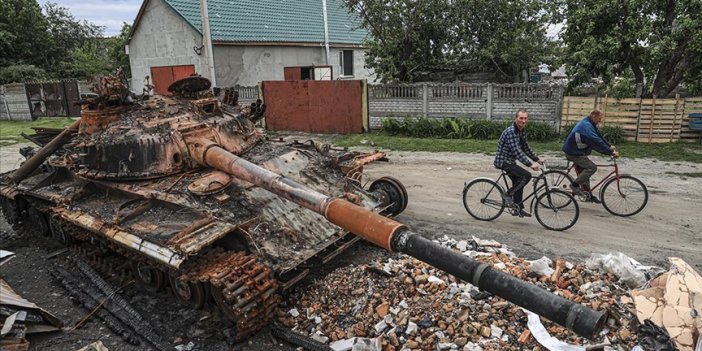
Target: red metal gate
316,106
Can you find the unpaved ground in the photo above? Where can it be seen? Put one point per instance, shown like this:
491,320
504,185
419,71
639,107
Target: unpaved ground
670,225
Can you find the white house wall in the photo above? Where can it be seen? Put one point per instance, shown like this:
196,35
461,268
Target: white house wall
248,65
162,38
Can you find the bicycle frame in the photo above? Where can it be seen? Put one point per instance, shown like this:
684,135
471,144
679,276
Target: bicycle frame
614,172
503,177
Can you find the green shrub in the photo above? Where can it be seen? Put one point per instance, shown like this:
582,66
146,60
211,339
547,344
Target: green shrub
461,128
613,133
392,126
21,74
540,131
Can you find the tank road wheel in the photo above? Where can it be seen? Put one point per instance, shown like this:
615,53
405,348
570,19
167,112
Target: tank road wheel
58,232
390,192
243,288
192,293
37,221
150,277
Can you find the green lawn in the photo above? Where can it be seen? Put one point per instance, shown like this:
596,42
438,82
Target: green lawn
678,151
10,130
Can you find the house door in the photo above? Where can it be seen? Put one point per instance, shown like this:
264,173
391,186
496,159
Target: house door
162,77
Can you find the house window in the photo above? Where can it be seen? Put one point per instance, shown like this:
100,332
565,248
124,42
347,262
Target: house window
346,63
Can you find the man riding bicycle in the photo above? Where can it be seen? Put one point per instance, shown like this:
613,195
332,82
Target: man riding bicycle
578,146
512,146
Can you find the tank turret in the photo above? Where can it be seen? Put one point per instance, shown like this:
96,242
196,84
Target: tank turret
193,195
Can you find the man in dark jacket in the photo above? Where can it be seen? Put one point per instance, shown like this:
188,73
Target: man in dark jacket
579,144
511,147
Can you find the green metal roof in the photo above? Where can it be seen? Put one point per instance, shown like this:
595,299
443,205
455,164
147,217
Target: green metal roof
273,20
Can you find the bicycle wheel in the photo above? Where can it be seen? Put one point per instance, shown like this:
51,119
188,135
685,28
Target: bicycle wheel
555,178
556,210
625,196
482,198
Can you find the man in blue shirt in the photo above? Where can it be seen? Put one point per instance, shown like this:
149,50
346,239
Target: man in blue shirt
578,146
511,147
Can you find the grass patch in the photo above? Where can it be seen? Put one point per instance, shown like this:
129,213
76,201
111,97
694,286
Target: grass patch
10,131
678,151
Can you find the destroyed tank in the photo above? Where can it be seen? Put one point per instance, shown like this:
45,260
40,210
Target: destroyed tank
187,192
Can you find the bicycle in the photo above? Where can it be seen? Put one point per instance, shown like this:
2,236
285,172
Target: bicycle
554,208
621,194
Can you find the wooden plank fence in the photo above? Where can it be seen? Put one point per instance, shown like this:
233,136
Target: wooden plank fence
644,120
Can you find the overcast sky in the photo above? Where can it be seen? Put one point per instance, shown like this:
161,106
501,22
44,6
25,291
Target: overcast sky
112,13
108,13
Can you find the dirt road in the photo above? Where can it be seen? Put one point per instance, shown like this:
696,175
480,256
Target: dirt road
670,225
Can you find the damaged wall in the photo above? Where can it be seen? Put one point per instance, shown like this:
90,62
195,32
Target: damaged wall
162,38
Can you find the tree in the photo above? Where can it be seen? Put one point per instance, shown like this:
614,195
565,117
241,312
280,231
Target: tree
412,36
115,49
66,35
86,61
22,32
658,42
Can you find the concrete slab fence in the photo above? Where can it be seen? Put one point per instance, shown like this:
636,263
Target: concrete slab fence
459,100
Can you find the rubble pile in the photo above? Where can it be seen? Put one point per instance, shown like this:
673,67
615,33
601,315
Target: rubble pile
409,305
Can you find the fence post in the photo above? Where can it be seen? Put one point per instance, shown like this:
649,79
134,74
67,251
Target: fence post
675,116
638,121
653,114
559,109
488,101
604,109
425,99
4,100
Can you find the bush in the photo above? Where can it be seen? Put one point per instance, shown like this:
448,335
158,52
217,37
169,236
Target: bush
540,131
613,133
21,74
461,128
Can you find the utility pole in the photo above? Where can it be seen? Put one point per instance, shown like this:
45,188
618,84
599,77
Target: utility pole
326,31
207,41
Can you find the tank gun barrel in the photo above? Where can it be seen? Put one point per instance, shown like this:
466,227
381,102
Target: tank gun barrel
41,155
395,236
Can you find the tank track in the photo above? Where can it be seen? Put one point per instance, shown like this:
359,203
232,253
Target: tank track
244,290
242,287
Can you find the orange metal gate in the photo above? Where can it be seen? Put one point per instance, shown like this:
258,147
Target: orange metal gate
162,77
338,106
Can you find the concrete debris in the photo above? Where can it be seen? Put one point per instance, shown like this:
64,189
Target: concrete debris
674,302
5,256
187,347
21,317
293,312
365,344
342,345
421,308
542,266
96,346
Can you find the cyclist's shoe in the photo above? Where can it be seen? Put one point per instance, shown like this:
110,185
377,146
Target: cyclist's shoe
575,188
592,198
523,213
508,200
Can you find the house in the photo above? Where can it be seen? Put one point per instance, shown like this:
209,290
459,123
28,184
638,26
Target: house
253,40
